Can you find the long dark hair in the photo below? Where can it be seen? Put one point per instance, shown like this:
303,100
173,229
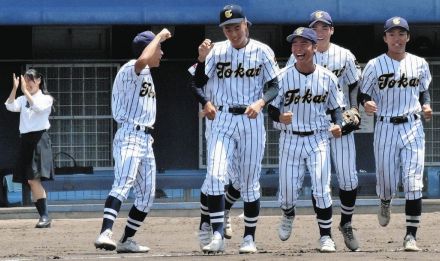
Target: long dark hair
33,74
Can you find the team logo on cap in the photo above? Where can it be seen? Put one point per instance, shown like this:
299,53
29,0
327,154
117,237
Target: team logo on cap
228,13
299,31
396,21
318,14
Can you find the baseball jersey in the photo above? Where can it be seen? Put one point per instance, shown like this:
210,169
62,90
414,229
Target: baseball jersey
341,62
35,117
134,96
395,85
308,97
239,75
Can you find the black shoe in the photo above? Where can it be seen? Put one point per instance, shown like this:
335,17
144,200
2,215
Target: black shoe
44,222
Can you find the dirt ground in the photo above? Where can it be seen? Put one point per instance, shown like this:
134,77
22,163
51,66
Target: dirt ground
176,239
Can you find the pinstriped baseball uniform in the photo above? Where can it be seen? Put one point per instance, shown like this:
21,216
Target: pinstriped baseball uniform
232,170
395,86
236,79
344,65
308,97
134,108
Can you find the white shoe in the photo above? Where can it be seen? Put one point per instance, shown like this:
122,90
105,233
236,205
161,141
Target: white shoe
130,246
205,235
228,227
285,228
410,244
104,241
216,245
384,214
327,244
248,245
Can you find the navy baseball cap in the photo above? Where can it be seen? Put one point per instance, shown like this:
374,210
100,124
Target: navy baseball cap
394,22
140,41
320,16
232,14
303,32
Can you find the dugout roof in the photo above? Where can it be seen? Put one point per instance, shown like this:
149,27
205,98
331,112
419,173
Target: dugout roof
150,12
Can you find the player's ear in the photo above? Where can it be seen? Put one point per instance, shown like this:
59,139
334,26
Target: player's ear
332,30
407,39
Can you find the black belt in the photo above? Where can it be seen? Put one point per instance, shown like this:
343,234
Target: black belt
234,110
146,129
399,119
300,133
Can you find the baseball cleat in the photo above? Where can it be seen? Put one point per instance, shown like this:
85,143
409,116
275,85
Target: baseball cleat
285,228
327,244
410,244
217,245
130,246
349,238
247,246
205,235
104,241
228,227
43,222
384,214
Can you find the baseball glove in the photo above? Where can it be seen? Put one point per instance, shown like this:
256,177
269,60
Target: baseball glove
352,121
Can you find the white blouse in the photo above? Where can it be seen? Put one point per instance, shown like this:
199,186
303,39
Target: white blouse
35,117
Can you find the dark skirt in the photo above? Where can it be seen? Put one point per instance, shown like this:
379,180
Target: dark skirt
35,160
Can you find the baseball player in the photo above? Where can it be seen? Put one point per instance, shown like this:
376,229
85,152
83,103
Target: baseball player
344,65
34,162
237,70
394,86
134,108
233,192
307,91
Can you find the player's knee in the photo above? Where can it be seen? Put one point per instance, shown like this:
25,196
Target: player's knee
349,185
121,196
412,195
250,196
323,200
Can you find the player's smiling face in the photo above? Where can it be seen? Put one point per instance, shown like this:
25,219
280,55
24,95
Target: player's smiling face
236,34
396,40
303,50
323,31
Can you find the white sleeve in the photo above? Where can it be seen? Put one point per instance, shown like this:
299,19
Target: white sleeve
14,106
270,65
335,95
426,77
352,72
368,79
118,108
42,103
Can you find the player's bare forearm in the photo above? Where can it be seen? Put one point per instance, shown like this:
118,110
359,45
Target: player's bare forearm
13,94
150,50
25,91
